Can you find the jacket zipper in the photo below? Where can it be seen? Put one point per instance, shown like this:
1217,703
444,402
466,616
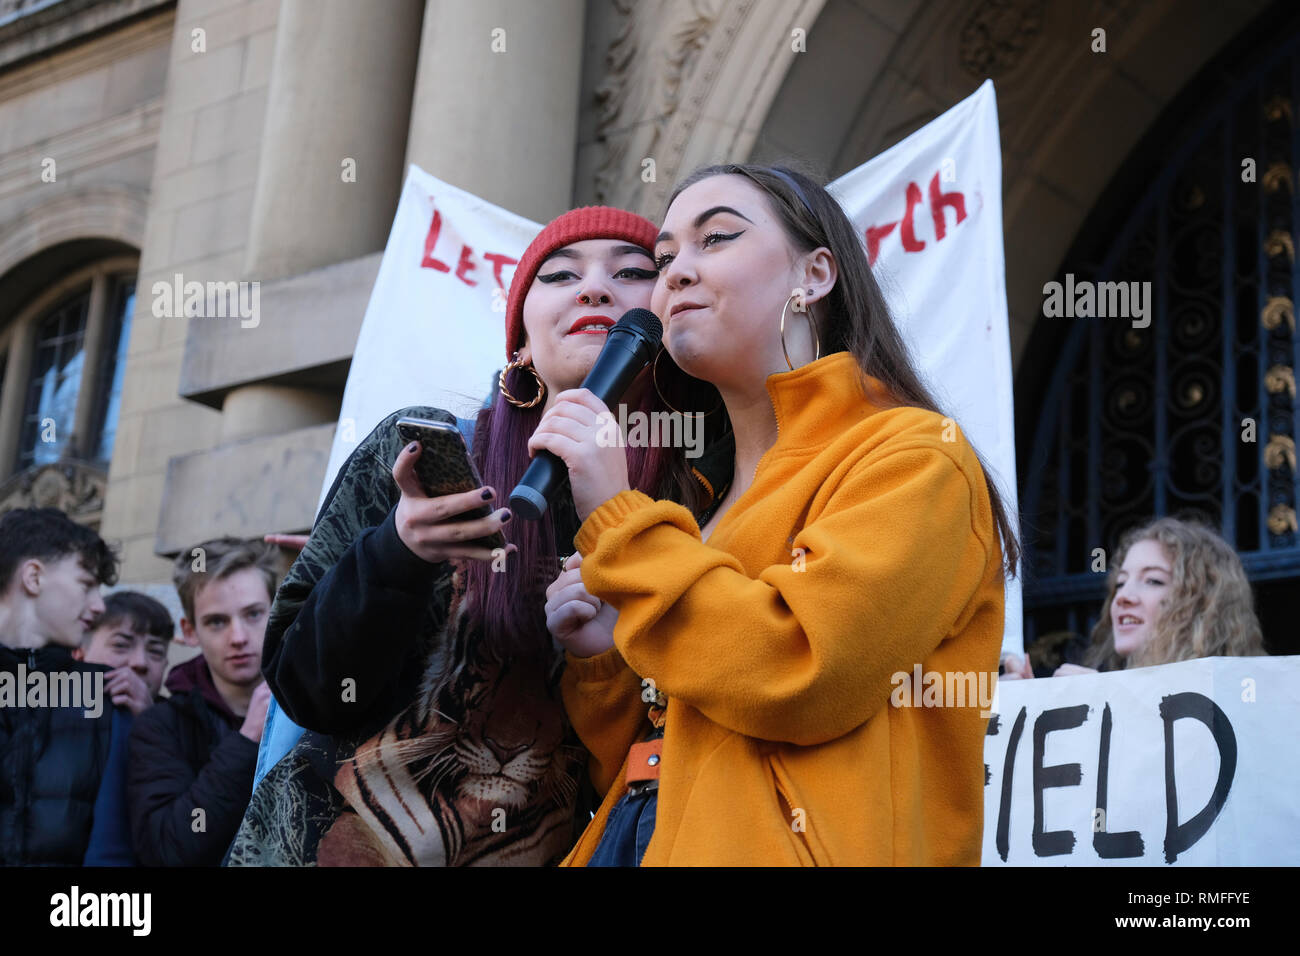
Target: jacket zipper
703,481
29,758
788,805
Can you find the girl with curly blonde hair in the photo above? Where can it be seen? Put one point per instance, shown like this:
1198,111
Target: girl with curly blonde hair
1177,591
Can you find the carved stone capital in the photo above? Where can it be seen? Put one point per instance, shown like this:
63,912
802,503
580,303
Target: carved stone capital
686,82
74,487
997,34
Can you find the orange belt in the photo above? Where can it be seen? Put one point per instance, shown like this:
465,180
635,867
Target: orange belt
643,763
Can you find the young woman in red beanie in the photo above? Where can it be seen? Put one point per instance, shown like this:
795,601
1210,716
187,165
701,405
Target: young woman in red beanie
857,538
422,665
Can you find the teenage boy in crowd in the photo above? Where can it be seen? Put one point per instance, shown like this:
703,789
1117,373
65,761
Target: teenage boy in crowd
57,726
131,636
193,755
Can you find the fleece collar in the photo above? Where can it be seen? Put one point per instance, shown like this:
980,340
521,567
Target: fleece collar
822,398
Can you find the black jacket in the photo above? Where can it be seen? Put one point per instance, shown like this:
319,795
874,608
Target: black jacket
190,773
52,760
357,605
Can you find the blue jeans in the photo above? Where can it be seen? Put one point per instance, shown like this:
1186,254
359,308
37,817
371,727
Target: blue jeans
627,832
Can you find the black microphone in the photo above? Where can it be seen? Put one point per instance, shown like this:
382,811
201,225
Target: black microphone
629,347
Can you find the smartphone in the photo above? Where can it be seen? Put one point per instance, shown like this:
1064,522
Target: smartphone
444,468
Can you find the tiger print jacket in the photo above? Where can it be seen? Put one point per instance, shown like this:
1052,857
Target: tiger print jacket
421,748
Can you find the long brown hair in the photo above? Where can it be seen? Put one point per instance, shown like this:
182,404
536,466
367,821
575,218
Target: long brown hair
1210,611
855,318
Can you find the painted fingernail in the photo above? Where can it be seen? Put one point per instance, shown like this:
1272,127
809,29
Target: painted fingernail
487,494
410,449
505,516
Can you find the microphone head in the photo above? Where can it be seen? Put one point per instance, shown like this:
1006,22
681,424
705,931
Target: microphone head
643,323
528,502
629,347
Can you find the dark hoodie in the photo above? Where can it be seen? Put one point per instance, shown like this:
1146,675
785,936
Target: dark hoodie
190,773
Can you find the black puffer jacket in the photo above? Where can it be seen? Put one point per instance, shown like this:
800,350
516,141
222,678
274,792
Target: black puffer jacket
187,755
51,762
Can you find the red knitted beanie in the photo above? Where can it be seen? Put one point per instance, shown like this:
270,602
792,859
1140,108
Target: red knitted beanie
589,222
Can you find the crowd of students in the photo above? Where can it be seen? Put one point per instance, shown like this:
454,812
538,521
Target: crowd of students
687,661
124,775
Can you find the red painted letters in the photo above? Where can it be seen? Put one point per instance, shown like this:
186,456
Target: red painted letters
940,201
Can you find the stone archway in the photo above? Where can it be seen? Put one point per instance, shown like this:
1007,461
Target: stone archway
1069,115
100,212
689,82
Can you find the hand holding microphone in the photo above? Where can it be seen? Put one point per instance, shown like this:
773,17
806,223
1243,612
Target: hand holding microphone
566,441
570,432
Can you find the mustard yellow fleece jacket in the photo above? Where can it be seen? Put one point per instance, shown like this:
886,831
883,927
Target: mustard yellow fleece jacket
866,545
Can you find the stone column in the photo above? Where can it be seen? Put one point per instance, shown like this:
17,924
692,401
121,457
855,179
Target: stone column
330,169
256,410
496,100
338,105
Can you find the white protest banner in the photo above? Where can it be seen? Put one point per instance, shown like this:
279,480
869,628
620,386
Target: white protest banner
1189,764
434,329
930,212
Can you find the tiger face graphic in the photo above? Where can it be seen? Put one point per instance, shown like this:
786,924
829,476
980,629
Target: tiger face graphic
507,755
479,770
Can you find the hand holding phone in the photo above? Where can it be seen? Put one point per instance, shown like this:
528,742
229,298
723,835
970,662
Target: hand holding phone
444,510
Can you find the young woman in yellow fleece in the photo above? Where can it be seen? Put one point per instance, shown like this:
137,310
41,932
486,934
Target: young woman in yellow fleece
859,538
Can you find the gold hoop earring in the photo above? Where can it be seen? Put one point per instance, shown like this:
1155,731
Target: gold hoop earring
817,353
501,384
654,378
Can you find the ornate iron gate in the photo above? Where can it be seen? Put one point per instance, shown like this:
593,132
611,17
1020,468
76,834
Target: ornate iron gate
1194,413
